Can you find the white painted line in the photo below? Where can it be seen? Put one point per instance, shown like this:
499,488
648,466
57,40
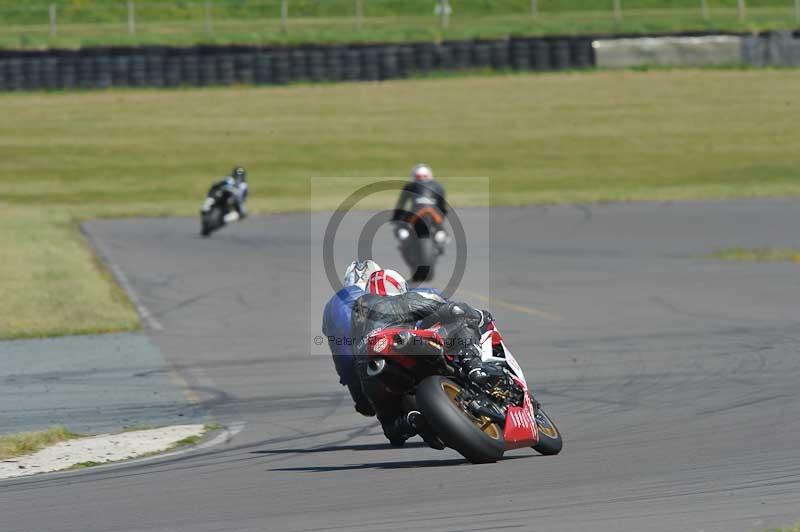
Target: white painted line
223,437
147,317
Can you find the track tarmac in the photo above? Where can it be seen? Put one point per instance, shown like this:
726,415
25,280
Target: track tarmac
673,377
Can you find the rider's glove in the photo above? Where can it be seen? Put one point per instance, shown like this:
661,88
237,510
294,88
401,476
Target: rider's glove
486,320
469,358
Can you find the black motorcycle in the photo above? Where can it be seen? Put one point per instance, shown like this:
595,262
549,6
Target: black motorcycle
422,239
219,209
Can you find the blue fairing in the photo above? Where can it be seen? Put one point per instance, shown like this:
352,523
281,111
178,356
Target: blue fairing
337,325
337,328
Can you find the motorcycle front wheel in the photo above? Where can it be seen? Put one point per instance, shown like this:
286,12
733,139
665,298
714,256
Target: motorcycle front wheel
426,258
550,441
210,221
479,440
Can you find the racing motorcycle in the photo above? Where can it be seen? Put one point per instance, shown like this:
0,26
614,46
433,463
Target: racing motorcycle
422,239
219,209
480,421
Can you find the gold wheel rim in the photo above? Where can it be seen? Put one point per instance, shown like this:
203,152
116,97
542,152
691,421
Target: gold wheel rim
484,424
545,426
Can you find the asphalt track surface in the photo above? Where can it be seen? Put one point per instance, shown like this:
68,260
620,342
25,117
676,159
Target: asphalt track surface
90,384
674,379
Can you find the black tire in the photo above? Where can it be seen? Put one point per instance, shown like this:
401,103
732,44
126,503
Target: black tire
205,225
408,249
211,221
457,429
426,258
550,441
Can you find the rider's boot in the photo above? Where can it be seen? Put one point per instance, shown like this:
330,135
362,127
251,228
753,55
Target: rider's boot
361,403
397,430
416,420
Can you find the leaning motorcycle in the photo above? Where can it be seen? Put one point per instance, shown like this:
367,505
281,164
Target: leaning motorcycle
218,210
480,421
422,239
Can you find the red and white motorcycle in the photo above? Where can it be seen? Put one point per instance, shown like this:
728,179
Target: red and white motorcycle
481,421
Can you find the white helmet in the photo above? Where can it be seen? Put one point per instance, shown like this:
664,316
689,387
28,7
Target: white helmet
357,274
422,172
387,283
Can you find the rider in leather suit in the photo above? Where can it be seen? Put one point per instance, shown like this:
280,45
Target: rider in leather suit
236,183
423,190
337,328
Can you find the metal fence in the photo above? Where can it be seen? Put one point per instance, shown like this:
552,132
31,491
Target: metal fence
130,17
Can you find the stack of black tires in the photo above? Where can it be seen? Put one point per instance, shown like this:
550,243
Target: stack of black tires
158,66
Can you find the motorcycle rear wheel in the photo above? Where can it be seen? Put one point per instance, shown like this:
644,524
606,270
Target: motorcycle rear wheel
480,441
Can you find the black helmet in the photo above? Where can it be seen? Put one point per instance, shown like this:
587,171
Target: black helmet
239,174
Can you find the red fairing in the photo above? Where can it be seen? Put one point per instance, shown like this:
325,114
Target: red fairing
521,430
497,338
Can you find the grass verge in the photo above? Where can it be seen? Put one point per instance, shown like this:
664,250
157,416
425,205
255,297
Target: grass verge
795,528
546,138
185,442
84,465
194,440
337,24
758,255
29,442
51,282
16,445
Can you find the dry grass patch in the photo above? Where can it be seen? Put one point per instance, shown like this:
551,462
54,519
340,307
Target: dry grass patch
758,254
15,445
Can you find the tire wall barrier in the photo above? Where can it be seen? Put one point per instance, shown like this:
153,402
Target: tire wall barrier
778,49
201,66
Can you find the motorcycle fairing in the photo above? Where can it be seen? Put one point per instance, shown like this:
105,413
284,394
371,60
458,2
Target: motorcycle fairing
489,341
520,429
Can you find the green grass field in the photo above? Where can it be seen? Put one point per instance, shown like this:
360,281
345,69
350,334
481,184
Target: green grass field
758,255
87,22
795,528
571,137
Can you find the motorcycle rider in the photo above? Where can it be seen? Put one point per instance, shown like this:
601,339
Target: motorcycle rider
423,190
337,328
236,183
337,325
388,303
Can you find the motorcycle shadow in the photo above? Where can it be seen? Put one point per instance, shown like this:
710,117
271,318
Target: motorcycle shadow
335,448
376,465
393,465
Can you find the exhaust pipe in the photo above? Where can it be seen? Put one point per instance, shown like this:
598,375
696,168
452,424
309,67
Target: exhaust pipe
407,343
376,367
389,374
